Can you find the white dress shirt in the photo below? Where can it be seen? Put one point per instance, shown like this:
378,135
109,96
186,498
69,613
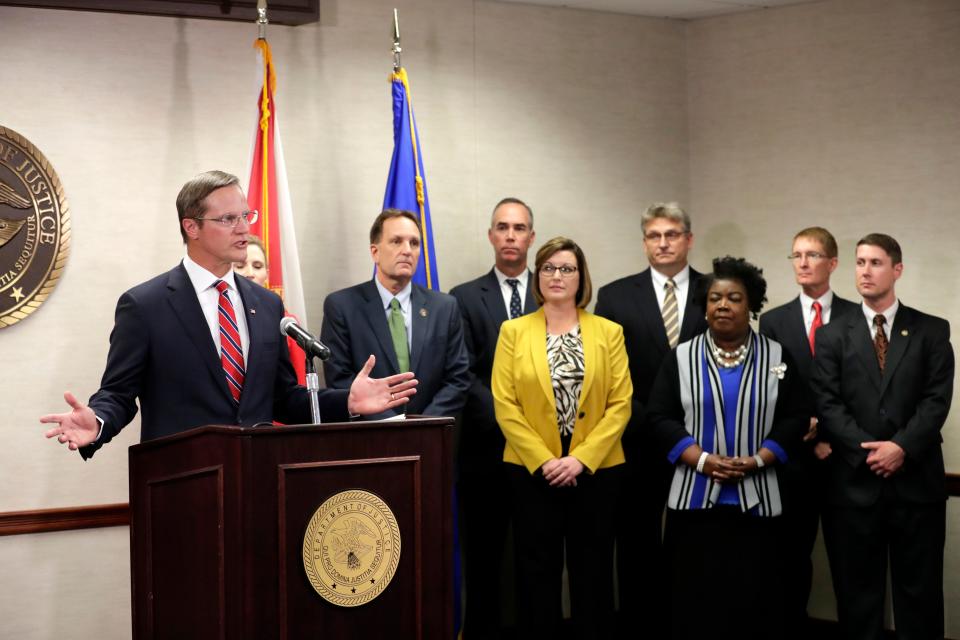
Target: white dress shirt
403,297
682,289
203,281
507,291
806,304
889,313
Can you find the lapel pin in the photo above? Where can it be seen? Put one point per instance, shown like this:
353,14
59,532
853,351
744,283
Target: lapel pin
253,312
423,313
904,333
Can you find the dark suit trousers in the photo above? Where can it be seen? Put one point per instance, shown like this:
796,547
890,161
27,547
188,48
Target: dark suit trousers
859,541
485,515
726,579
546,520
641,565
801,488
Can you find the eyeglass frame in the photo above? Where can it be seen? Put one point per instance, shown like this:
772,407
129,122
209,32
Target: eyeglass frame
250,216
812,256
547,269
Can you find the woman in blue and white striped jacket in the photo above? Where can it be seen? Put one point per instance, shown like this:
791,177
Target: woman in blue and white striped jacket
725,407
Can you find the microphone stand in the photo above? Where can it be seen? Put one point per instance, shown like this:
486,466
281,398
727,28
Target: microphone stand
313,387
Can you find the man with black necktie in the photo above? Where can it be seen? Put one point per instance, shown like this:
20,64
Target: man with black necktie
197,345
794,325
883,383
505,292
657,312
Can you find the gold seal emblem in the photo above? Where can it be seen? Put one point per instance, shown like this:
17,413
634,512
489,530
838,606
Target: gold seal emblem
351,548
34,228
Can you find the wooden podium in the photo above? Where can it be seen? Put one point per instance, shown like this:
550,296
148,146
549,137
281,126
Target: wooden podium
219,515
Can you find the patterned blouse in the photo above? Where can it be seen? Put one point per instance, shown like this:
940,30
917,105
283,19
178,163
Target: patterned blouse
565,356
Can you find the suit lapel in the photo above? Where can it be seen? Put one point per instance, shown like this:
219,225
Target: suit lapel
530,302
690,311
376,317
537,335
899,338
186,306
796,329
256,330
588,335
493,300
863,346
421,320
649,309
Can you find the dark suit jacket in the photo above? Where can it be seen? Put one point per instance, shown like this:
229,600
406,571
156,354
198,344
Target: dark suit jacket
785,325
632,303
908,404
355,326
481,303
161,353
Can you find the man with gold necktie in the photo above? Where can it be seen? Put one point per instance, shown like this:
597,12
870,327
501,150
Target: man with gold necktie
657,312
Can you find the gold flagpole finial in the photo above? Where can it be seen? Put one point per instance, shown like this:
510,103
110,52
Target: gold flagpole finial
396,41
262,21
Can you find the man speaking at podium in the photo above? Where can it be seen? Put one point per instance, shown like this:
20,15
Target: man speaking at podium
197,345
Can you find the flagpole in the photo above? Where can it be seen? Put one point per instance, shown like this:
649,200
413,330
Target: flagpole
396,41
262,20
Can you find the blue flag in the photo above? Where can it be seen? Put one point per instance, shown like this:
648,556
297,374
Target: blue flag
406,183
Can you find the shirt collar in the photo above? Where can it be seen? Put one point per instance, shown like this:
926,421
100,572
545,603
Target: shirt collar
889,313
826,300
502,277
201,279
679,280
403,297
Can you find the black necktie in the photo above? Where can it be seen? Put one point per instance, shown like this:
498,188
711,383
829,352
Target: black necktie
515,308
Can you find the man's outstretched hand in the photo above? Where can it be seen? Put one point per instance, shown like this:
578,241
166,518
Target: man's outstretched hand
76,428
375,395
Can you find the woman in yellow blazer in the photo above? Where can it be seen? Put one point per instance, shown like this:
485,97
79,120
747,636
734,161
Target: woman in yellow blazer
562,392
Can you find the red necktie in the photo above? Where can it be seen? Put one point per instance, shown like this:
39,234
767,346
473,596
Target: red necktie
231,351
816,324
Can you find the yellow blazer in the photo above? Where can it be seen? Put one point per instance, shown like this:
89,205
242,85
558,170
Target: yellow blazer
524,401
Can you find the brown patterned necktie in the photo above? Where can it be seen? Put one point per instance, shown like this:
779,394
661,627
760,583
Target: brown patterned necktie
880,341
671,312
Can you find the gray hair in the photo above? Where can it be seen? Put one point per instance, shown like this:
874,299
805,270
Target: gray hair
668,210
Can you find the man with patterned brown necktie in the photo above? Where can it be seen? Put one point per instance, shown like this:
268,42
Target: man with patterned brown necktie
657,312
883,383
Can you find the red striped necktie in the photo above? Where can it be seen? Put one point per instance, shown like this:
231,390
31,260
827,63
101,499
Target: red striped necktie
231,351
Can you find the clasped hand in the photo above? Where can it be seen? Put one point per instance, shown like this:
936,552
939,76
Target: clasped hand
728,469
562,472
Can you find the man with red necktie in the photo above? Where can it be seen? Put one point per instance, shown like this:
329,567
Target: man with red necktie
794,325
197,345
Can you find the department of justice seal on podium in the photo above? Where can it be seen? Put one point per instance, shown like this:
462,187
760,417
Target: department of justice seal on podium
34,228
351,548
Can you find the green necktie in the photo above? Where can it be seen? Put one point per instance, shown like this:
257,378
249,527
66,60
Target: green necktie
398,332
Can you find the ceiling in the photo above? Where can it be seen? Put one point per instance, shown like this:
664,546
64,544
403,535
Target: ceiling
682,9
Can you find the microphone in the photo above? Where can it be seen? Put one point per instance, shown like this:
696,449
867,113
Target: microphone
312,346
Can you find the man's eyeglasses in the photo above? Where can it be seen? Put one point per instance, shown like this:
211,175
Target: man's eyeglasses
812,256
233,219
671,236
566,271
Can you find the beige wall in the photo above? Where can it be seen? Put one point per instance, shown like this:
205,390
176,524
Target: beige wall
843,113
582,114
761,121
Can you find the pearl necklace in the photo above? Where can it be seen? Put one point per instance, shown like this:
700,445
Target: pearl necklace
728,359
